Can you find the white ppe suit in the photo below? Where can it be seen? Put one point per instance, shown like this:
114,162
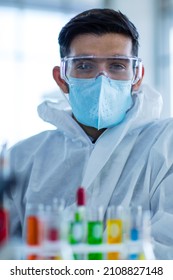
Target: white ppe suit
130,164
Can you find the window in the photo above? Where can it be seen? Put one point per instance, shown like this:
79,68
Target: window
28,52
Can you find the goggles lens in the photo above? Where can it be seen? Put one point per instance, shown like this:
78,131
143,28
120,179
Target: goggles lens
87,67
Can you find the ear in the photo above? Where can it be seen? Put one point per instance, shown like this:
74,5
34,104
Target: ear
136,86
60,82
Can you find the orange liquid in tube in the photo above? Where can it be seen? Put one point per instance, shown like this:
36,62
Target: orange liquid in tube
34,234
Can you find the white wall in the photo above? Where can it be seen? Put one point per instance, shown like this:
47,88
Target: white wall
142,14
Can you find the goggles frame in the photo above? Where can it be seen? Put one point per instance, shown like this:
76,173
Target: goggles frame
137,75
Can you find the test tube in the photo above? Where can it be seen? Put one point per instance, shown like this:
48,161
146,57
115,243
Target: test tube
80,214
77,234
135,228
7,180
4,225
114,230
34,229
4,177
51,225
77,225
56,231
147,247
95,231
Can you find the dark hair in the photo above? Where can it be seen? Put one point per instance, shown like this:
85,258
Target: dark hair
99,22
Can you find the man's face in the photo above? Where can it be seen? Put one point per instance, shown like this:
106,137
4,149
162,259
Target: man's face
104,45
98,46
92,55
107,45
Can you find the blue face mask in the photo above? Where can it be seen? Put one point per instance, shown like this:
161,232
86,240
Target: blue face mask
100,102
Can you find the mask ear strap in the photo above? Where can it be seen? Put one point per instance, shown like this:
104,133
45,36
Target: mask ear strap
138,75
61,69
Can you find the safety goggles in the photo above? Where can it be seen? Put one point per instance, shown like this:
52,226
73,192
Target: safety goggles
115,67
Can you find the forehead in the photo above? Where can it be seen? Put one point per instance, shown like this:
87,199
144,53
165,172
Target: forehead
107,44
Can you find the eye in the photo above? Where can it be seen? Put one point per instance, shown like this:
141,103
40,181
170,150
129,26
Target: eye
84,66
117,66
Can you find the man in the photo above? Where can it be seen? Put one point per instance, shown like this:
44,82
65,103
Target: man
112,142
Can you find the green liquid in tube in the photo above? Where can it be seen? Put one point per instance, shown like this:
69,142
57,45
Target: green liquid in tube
95,236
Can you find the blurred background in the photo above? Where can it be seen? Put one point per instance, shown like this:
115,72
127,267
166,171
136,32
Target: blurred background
29,50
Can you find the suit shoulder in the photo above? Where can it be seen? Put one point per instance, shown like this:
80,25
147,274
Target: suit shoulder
31,144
